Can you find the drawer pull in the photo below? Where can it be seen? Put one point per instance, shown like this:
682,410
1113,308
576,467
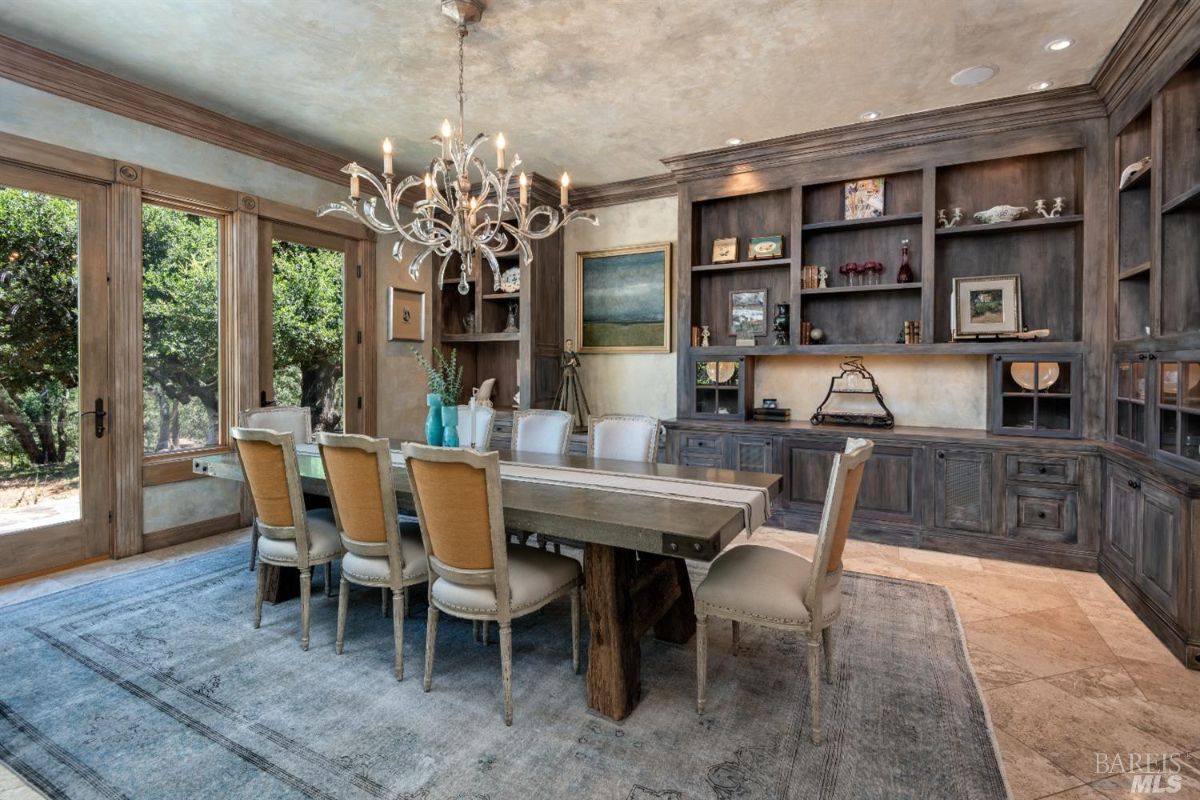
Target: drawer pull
1041,515
1041,470
1134,484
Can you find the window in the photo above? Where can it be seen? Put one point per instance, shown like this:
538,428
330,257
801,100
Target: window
181,330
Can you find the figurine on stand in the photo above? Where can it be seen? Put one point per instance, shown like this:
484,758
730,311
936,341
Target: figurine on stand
782,323
570,396
822,278
510,325
705,333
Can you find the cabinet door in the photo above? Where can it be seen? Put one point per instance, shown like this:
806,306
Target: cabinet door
1041,514
1122,519
963,490
752,453
1157,561
887,491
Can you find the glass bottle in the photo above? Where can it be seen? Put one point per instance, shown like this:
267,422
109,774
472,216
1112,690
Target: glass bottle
905,273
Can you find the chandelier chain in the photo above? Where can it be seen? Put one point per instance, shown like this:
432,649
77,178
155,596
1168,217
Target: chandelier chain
462,92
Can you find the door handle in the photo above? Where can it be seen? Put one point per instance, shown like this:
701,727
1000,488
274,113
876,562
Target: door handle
99,413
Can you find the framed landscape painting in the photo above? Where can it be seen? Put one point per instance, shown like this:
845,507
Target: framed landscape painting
624,299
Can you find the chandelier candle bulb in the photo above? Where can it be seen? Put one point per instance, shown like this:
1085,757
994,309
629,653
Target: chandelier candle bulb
500,151
446,131
428,187
354,191
562,192
387,157
524,190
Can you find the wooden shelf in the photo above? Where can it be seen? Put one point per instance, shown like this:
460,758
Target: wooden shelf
1139,179
735,265
1042,395
1186,200
1041,348
883,287
868,222
1133,272
503,296
482,337
980,228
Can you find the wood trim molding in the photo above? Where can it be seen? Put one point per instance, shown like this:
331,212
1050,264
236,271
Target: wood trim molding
57,75
32,154
187,191
192,531
627,191
125,334
1053,107
1162,36
307,218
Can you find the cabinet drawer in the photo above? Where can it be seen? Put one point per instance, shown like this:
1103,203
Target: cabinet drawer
701,458
1043,469
1044,515
709,442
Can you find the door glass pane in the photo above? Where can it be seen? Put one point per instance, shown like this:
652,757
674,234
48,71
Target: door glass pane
39,360
181,330
307,335
1168,383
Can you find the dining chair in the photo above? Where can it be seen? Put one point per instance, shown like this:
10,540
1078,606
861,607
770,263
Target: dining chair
779,589
381,550
625,437
473,572
540,430
291,536
294,419
484,416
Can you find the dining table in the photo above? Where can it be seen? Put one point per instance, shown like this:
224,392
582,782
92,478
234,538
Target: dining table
637,523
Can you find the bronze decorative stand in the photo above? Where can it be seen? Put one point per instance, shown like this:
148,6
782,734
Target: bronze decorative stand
570,396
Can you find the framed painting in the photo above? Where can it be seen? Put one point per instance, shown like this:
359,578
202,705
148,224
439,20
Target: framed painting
748,313
864,198
406,316
624,299
987,306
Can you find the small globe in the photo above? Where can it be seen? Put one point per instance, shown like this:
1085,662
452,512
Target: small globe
816,335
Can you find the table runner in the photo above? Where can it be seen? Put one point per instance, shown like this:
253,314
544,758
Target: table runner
755,503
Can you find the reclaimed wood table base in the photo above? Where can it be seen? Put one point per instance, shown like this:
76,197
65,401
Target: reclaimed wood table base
629,593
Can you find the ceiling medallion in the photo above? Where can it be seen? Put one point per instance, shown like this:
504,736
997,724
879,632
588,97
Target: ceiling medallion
467,208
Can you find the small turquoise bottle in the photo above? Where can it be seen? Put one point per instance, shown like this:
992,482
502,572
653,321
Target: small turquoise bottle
433,421
450,426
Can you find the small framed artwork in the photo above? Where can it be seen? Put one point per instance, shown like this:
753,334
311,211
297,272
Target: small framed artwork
864,198
748,313
987,306
406,316
765,247
624,299
725,251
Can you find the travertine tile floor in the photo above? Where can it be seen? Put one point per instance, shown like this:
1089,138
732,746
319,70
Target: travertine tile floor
1073,681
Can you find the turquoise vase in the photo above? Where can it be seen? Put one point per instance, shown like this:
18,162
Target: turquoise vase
450,426
433,421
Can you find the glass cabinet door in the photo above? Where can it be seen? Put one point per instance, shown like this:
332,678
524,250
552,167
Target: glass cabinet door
1037,396
1179,408
718,386
1131,400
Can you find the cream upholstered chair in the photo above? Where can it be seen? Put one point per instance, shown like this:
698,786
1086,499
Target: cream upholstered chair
778,589
381,551
484,416
291,537
473,573
541,430
296,420
625,437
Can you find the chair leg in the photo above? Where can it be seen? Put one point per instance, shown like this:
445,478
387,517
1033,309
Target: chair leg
827,645
253,543
407,602
329,579
258,594
430,645
343,608
305,598
398,630
814,687
383,601
736,636
701,661
485,632
506,669
575,629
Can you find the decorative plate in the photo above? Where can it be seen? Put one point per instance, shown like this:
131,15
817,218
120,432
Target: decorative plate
1022,373
510,280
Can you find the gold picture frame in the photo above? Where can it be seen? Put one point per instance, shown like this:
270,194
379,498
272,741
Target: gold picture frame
623,299
725,251
406,316
988,305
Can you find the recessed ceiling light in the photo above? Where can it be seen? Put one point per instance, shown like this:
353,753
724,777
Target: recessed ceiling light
972,76
1054,45
733,141
1040,86
867,116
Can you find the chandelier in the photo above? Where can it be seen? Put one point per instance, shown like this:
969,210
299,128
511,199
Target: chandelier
467,209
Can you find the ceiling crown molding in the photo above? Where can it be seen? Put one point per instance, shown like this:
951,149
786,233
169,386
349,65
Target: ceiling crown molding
57,75
627,191
990,116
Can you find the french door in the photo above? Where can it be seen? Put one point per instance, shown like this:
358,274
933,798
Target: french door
310,324
55,451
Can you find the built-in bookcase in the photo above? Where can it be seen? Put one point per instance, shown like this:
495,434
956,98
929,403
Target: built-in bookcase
1181,202
1134,226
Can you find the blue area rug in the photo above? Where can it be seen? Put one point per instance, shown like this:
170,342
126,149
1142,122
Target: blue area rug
155,685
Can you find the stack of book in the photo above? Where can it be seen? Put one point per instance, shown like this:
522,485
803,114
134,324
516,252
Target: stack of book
772,414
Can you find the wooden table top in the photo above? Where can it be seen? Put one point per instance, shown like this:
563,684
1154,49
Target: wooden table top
662,525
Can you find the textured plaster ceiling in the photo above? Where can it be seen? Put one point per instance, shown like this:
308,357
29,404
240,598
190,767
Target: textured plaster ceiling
602,88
